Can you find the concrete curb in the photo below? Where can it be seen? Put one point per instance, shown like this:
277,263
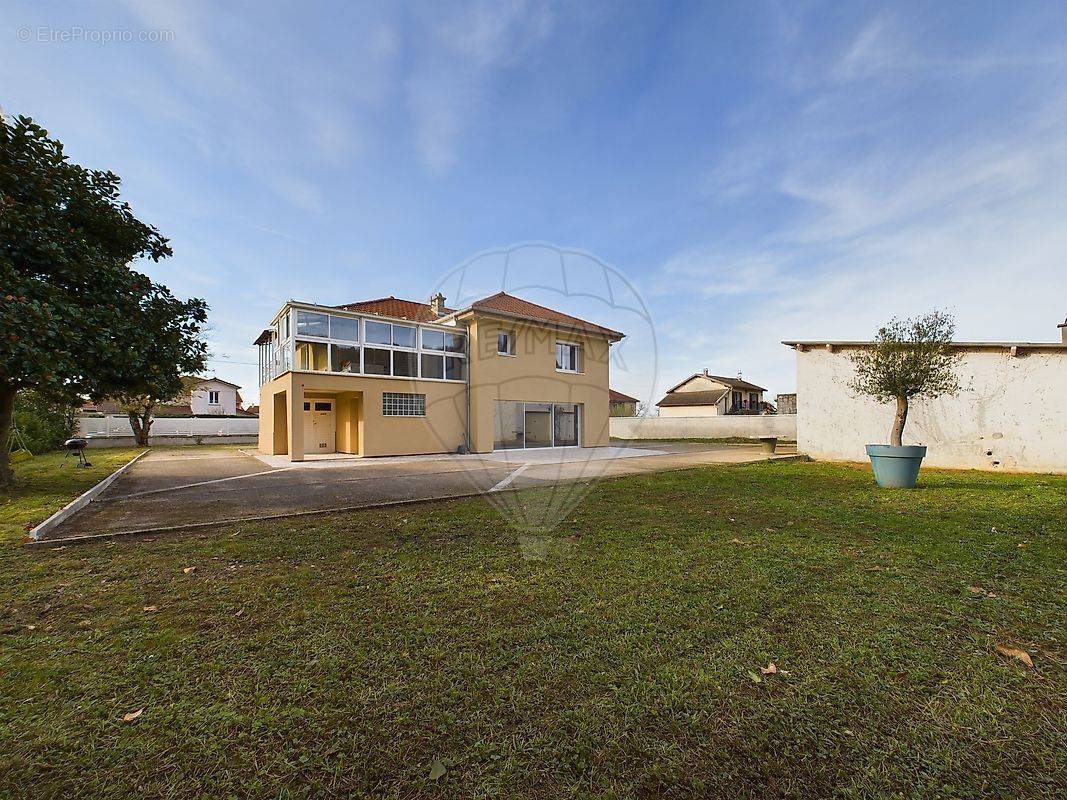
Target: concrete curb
81,501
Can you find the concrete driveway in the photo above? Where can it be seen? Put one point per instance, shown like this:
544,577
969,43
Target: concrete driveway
177,488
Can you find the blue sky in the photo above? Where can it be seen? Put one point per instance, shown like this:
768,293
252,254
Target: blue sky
751,172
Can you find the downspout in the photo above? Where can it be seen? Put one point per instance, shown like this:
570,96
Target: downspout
467,388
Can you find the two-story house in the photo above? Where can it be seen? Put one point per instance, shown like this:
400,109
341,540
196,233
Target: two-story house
397,377
704,395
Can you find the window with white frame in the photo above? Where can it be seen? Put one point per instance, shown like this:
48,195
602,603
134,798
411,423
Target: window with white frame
402,404
568,357
213,397
505,343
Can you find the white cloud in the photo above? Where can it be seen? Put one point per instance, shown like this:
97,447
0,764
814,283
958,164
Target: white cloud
881,221
456,55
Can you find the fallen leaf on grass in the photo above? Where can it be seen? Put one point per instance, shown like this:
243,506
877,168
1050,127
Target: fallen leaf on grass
187,570
992,595
57,549
437,769
31,627
239,613
150,609
754,677
85,623
975,589
1015,652
735,540
770,669
132,715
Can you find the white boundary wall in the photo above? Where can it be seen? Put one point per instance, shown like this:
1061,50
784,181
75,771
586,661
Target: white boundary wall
119,426
784,426
1011,412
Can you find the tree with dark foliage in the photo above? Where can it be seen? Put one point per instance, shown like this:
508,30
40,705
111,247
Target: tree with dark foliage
75,320
908,358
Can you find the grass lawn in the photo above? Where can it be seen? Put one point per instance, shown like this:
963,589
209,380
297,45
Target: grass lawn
431,651
47,482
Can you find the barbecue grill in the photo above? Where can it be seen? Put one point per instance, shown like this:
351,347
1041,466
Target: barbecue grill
76,446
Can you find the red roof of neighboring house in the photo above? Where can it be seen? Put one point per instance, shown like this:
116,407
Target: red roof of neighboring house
619,397
733,383
114,409
202,379
511,306
708,398
395,307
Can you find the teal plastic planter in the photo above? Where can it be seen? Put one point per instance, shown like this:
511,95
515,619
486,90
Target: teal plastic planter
896,467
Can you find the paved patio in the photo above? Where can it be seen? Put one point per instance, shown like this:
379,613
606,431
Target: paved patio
180,488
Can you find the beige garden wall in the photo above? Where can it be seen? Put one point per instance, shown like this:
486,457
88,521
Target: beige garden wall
1010,415
727,426
689,411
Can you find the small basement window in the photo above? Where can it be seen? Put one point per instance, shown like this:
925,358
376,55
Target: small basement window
401,404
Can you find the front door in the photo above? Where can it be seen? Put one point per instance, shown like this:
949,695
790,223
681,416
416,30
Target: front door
320,429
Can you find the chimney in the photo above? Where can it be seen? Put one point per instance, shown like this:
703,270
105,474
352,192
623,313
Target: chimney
705,372
739,374
1063,331
437,304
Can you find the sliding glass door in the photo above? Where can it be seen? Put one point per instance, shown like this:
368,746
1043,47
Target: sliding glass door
538,420
529,425
565,425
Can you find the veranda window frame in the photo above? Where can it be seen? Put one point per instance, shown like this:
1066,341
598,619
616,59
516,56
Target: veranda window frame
289,318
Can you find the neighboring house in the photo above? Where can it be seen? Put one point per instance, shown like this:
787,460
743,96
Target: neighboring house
621,405
206,397
787,403
214,397
705,395
397,377
1008,415
253,410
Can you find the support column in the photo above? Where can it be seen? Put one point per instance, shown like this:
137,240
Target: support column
296,418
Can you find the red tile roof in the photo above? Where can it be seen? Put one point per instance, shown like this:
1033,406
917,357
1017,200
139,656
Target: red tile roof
619,397
708,398
499,303
733,383
511,306
394,307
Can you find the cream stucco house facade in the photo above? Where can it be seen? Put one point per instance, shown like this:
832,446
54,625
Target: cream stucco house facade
397,377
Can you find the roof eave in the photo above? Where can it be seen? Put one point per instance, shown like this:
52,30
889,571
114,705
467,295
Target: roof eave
607,333
831,344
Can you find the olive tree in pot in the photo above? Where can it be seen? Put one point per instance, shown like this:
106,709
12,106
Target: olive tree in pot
908,358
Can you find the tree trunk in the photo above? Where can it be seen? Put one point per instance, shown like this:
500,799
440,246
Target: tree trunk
141,423
146,427
7,410
899,422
